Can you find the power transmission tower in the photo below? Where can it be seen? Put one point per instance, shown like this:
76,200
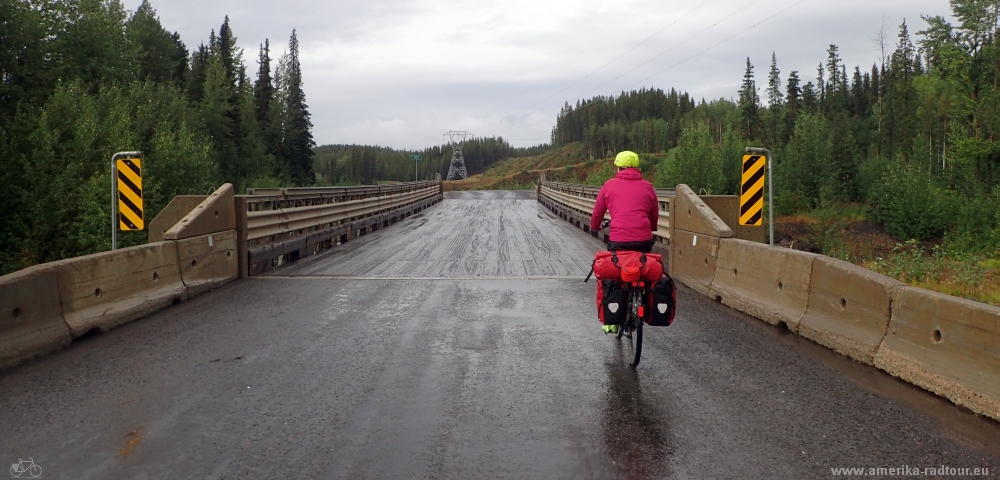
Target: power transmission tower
457,167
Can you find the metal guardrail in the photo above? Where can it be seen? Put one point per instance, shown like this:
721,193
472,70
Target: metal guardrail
591,191
276,198
283,224
262,224
582,197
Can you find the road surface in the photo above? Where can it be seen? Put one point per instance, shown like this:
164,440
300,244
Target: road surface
462,343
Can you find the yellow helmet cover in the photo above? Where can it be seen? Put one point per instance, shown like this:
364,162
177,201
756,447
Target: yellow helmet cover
627,159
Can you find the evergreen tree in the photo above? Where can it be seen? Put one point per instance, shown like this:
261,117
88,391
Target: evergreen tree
263,97
774,93
833,88
859,94
215,112
774,100
162,57
749,102
199,69
810,97
793,100
226,49
298,140
901,98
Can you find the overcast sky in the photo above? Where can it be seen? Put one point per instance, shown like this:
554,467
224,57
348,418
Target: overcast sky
399,73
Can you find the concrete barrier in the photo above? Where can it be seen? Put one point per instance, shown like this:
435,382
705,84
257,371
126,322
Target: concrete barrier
770,283
690,213
104,290
177,209
695,231
215,214
31,321
945,344
849,308
727,207
208,262
693,260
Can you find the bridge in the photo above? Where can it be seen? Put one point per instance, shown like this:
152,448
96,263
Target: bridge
404,332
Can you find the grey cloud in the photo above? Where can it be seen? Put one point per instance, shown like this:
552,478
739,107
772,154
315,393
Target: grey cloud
399,73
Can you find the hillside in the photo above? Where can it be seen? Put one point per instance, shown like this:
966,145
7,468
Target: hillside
569,163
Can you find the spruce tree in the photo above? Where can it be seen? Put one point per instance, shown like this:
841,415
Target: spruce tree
774,100
901,123
859,94
199,69
749,102
162,57
226,49
793,100
298,139
774,95
833,69
263,94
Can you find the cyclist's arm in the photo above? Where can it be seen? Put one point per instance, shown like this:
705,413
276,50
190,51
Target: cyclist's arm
600,208
654,210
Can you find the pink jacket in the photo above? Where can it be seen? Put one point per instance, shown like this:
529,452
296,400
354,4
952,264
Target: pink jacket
633,205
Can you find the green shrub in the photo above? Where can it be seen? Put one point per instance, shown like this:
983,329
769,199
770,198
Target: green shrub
977,224
909,204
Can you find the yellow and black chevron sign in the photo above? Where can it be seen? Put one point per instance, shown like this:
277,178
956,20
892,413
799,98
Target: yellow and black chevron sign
130,194
752,191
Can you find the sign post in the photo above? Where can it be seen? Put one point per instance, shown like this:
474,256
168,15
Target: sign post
753,187
416,158
126,194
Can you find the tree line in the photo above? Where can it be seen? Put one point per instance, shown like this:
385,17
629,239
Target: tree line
914,138
647,120
82,79
366,164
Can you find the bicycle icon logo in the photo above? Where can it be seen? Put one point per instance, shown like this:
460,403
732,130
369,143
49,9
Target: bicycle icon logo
25,467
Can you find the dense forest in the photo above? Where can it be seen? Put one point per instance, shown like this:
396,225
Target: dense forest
644,120
364,164
82,79
913,138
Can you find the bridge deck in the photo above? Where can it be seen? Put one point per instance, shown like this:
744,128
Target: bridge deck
351,365
507,235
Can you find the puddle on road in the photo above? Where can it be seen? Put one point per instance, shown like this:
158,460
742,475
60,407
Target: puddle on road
633,429
956,423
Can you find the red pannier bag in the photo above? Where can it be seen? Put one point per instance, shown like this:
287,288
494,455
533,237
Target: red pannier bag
610,302
627,266
662,301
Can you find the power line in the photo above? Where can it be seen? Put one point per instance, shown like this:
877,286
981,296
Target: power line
719,43
724,18
626,52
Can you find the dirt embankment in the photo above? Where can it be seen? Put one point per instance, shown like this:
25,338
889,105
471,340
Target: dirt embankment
858,241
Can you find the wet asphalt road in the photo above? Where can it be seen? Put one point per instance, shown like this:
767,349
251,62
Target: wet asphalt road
351,364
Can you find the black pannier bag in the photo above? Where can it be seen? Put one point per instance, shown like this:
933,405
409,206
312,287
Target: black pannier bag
663,303
612,300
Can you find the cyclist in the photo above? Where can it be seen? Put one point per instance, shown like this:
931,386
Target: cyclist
634,210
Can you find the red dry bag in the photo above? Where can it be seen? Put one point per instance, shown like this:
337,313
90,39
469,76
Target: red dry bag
627,266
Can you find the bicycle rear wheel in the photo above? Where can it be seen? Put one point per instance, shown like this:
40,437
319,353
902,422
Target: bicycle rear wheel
635,324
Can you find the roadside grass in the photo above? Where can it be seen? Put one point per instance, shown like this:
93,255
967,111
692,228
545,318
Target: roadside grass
841,231
972,276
